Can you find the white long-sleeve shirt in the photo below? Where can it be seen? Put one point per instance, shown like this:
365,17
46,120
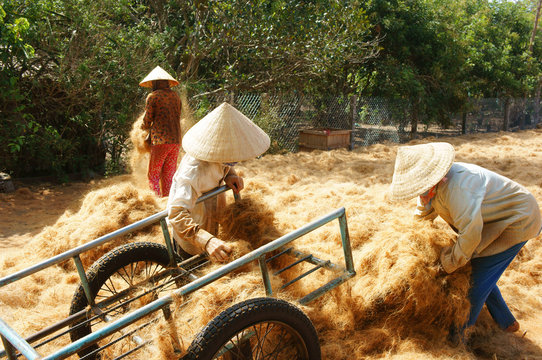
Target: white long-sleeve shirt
193,178
490,212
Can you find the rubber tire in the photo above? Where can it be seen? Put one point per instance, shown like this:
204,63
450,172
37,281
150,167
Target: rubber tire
245,314
105,267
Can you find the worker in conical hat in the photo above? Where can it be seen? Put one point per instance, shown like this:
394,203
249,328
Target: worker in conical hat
162,120
492,215
213,146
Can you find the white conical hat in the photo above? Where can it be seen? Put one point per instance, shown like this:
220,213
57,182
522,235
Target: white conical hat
419,167
158,74
225,135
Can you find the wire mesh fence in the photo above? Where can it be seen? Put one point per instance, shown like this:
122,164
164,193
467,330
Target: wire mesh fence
368,120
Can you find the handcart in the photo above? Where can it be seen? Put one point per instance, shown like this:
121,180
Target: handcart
125,290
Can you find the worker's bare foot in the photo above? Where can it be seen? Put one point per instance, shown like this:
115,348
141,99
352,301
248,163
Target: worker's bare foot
513,328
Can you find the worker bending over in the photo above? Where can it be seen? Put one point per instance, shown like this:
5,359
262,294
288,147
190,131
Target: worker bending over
213,146
492,215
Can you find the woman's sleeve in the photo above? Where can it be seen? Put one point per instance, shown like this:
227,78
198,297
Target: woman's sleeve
149,112
181,220
466,212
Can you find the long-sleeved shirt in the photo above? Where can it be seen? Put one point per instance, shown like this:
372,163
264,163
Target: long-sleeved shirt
163,117
193,178
490,213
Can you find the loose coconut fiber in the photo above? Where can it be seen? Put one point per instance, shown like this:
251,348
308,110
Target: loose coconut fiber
395,307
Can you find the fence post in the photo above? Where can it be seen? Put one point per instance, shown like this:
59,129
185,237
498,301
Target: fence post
464,123
353,117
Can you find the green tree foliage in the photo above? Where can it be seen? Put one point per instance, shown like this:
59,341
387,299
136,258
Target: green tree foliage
79,90
439,53
420,58
261,45
15,53
76,94
497,42
70,68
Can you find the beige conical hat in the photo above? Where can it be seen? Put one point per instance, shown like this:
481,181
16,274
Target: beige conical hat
225,135
419,167
158,74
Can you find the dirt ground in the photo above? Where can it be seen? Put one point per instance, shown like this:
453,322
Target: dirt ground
296,188
35,205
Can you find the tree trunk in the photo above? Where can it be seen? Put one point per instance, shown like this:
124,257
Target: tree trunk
158,6
531,44
523,112
537,103
414,121
464,123
353,118
506,120
537,17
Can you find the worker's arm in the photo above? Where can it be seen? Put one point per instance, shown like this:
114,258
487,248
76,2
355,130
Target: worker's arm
465,208
185,227
149,112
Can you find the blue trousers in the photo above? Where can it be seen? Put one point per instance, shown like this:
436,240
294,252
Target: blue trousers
486,271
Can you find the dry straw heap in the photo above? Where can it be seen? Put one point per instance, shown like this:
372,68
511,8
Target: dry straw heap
395,307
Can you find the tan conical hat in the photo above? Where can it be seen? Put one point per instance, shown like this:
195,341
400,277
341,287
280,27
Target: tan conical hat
225,135
158,74
419,167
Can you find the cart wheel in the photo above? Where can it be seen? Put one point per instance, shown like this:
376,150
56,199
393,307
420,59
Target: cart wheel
261,328
123,279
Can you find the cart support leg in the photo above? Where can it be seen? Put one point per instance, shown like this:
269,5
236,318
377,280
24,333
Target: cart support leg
345,237
173,333
167,238
84,280
10,350
265,276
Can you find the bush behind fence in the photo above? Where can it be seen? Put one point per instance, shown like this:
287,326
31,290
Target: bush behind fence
371,119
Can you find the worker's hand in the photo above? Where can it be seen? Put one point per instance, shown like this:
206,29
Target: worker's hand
235,183
218,250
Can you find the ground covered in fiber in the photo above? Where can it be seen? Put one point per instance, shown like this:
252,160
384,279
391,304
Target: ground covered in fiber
396,306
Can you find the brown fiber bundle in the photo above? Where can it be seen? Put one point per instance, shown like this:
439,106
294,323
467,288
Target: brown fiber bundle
102,212
395,307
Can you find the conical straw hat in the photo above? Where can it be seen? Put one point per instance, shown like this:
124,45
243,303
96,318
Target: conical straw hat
419,167
225,135
158,74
